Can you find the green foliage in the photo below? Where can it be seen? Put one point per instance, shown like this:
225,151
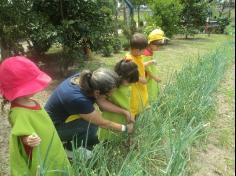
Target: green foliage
148,29
116,45
107,50
230,30
11,27
41,33
164,133
193,16
223,21
165,13
76,25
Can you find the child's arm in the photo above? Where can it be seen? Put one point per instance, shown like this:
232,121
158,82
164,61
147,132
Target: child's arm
152,76
151,62
106,105
32,140
142,80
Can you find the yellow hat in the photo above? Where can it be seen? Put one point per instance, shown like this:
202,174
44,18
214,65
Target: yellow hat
156,34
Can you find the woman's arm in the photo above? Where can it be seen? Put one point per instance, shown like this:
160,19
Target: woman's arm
106,105
96,118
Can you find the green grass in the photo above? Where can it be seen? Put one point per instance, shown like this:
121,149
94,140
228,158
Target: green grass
171,57
161,145
165,133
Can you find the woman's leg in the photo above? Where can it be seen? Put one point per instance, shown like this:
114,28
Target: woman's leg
81,132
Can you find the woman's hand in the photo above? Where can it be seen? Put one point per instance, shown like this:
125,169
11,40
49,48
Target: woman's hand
129,117
32,140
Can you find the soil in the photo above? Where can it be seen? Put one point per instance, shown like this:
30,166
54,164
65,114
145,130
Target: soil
217,157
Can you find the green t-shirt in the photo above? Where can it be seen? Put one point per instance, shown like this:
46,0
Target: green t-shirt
121,98
49,155
152,85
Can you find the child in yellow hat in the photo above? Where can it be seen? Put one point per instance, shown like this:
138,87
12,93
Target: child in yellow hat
155,39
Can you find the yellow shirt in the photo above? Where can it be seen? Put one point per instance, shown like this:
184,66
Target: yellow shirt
139,92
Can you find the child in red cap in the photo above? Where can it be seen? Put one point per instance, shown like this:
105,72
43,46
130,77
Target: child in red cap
35,147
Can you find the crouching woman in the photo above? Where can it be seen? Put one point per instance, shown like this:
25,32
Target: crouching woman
71,107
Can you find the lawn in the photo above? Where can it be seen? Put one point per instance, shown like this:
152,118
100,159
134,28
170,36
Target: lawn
164,135
170,58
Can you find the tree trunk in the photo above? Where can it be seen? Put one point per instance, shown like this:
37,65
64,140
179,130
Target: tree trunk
230,6
5,52
186,36
124,13
116,19
138,15
87,52
222,9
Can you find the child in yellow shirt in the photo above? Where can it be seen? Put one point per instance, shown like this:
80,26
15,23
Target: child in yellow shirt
139,92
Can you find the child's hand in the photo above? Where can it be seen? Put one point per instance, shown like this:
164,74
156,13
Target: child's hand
158,80
32,140
130,128
129,117
142,80
153,62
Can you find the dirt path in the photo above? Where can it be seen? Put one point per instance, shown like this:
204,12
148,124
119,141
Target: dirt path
217,156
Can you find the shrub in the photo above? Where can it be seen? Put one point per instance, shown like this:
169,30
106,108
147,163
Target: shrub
230,30
223,22
107,50
116,45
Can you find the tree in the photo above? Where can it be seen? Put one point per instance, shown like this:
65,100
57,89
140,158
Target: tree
165,14
12,28
193,16
137,4
78,25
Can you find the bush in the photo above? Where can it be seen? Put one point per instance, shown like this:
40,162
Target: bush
107,50
126,31
166,14
230,30
223,22
126,46
148,29
116,45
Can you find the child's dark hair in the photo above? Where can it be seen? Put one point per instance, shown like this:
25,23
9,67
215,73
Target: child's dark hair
101,79
127,70
138,41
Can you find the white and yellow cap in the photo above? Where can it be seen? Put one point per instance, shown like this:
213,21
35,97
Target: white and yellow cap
156,34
